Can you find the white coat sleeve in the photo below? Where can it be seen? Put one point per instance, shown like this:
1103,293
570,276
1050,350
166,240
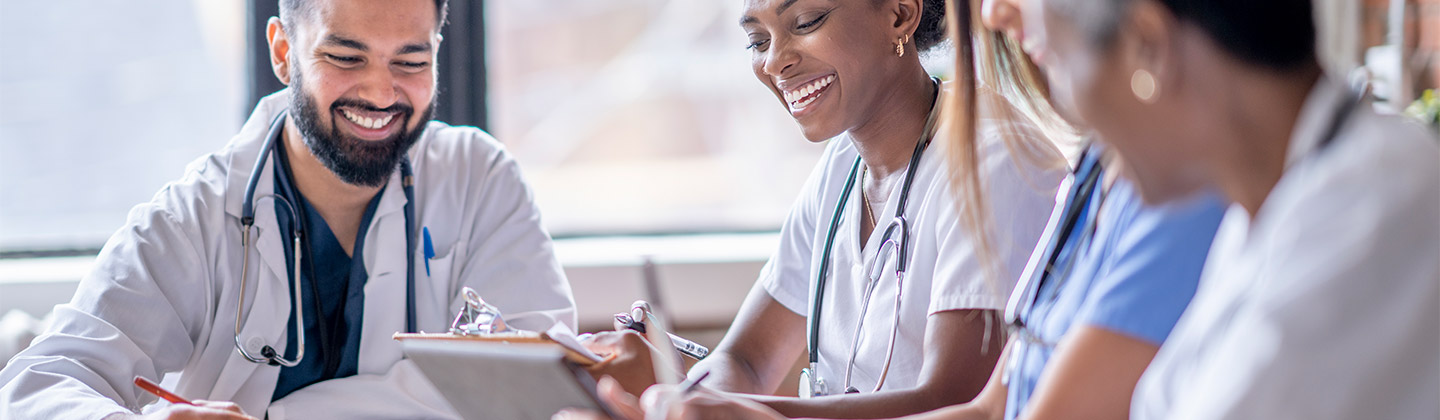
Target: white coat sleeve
138,312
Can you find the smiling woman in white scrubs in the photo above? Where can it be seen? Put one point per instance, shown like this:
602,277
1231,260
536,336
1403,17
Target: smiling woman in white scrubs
1322,290
849,74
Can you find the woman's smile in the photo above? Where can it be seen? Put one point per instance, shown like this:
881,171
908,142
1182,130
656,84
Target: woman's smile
801,97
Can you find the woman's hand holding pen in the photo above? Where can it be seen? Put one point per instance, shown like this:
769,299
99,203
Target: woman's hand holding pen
628,359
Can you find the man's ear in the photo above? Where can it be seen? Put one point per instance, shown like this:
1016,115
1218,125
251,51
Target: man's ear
279,49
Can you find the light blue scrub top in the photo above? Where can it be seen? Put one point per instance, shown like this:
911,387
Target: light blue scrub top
1134,277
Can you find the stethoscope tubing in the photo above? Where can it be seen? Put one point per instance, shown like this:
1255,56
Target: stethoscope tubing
901,250
247,224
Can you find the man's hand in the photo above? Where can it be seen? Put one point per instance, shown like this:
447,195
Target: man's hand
629,359
202,410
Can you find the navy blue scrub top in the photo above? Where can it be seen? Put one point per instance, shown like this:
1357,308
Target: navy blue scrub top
338,280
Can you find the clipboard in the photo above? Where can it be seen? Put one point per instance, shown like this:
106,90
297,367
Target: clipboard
492,378
557,336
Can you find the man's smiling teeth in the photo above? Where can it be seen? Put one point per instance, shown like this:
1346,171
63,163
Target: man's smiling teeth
800,97
367,122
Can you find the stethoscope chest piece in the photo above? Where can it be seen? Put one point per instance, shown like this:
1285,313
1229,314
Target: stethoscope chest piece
811,385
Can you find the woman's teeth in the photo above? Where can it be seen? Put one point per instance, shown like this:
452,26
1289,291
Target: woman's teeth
804,95
367,122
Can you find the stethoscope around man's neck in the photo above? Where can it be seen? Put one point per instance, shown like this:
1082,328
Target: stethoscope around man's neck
268,354
811,384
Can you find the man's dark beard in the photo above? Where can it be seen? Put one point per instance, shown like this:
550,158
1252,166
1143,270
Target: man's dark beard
355,161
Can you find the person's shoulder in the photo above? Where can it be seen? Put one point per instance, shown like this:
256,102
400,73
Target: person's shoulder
205,187
443,142
836,162
1189,221
1007,138
464,156
839,153
1371,196
1378,167
208,183
1398,149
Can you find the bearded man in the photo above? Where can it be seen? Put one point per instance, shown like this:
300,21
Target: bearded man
269,278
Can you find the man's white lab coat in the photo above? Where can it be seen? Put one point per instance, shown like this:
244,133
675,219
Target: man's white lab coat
163,293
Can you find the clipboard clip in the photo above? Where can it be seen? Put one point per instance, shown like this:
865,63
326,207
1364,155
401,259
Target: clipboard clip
476,317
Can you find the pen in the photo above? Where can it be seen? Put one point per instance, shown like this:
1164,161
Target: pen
686,347
429,248
691,385
152,388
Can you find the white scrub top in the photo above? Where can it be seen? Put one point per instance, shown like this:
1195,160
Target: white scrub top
161,299
944,272
1325,305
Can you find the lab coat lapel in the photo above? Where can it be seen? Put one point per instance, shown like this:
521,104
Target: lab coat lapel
265,322
268,313
385,294
244,150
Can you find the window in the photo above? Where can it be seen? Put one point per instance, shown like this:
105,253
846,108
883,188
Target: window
102,103
628,116
640,116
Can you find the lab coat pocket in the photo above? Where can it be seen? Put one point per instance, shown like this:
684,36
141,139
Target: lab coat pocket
442,266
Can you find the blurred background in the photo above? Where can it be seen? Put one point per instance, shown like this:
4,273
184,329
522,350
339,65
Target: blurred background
638,123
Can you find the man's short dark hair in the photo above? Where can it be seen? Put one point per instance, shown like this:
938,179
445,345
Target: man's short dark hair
291,9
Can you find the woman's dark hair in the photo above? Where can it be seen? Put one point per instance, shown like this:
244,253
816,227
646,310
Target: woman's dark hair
1275,34
1279,34
931,31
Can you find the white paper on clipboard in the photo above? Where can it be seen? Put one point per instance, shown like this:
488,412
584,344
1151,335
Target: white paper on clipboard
491,380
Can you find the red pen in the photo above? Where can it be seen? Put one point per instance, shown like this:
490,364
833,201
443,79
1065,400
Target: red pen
152,388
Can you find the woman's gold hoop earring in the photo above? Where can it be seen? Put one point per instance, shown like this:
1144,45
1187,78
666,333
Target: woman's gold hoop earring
900,45
1143,85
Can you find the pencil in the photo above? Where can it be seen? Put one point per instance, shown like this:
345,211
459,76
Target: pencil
152,388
